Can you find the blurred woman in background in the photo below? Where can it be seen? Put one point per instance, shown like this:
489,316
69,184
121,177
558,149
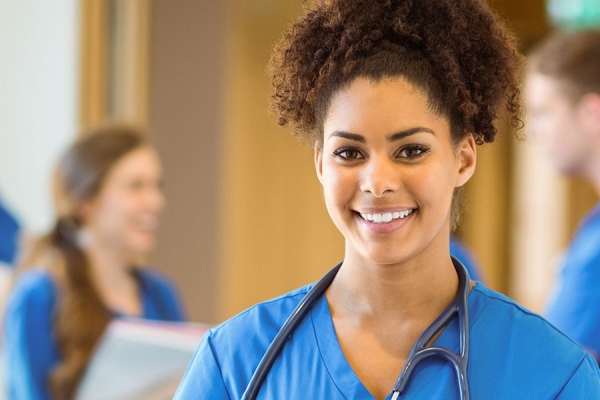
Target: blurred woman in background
86,270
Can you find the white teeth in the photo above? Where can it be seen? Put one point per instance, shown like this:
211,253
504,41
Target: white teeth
386,217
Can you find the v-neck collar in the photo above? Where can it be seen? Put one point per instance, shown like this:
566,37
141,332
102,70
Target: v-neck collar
344,376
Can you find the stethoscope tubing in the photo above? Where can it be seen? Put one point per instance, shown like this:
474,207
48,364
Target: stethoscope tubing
419,352
286,330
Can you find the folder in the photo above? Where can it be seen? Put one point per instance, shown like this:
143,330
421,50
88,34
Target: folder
140,360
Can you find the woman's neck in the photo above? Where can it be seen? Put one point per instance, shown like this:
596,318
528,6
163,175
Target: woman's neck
417,289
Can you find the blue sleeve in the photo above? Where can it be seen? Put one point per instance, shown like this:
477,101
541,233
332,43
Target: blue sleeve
585,382
575,303
9,232
163,301
30,349
203,379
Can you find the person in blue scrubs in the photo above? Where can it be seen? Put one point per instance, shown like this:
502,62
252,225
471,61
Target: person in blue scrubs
563,102
86,270
394,95
9,236
465,255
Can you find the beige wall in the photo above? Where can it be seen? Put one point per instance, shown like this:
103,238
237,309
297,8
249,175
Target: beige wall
186,109
276,231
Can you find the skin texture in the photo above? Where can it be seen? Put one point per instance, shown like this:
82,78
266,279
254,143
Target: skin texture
120,225
385,151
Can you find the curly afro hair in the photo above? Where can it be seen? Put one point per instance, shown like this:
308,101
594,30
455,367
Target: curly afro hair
457,51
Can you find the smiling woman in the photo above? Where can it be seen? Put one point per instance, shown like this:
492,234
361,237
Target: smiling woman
85,271
385,153
393,95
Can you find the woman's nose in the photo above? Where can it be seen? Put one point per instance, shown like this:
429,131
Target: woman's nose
380,176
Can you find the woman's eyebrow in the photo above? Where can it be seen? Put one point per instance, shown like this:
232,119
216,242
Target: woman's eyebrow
408,132
347,135
391,138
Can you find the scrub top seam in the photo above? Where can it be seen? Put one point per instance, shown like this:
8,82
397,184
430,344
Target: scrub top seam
473,322
214,356
573,373
493,296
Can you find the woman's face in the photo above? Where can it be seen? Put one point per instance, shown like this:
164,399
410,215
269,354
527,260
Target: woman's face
389,169
124,215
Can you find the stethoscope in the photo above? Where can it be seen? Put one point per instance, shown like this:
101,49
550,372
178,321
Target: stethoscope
419,352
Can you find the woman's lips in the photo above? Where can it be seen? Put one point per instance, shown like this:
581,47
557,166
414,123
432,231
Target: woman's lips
384,222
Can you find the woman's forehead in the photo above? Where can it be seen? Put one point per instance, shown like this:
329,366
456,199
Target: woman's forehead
391,101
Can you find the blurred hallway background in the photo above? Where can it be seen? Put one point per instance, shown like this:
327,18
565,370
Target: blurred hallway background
245,219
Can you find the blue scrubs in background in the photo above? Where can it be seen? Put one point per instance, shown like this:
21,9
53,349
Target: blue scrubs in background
9,235
30,348
515,354
574,305
466,257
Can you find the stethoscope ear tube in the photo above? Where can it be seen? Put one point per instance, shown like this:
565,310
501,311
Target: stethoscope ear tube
286,330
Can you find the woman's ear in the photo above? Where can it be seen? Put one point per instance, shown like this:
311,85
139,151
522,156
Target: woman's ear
467,159
319,161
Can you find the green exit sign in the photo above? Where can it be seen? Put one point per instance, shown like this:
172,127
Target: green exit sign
574,14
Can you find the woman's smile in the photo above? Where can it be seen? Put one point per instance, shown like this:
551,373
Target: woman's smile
384,221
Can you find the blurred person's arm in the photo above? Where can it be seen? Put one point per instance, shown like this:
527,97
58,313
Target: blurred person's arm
575,300
31,351
9,236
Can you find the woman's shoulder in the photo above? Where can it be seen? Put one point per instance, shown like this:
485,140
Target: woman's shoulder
153,279
34,291
266,317
161,297
505,312
33,288
505,330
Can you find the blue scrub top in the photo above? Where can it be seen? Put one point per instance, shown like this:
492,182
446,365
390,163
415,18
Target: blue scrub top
515,354
31,351
574,305
466,257
9,235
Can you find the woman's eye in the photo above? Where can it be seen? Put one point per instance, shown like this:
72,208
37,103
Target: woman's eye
412,151
348,154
